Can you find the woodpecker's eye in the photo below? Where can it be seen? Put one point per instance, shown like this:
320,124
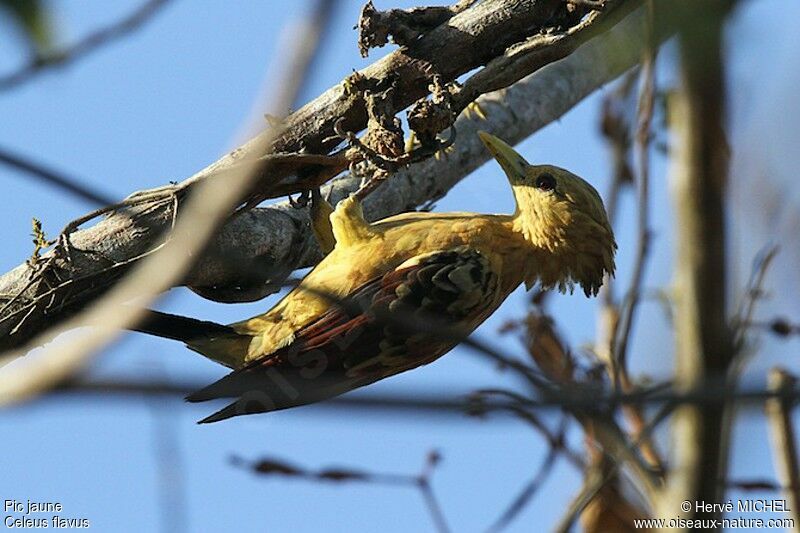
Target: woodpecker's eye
545,182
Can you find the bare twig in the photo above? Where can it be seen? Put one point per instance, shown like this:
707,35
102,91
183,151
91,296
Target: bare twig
615,127
595,418
754,485
424,484
645,117
753,294
622,451
594,481
605,436
85,46
422,481
712,393
553,440
54,178
536,482
627,313
597,478
387,164
171,479
742,322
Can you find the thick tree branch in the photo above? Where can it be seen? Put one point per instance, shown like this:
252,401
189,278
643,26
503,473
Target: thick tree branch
466,41
258,248
703,338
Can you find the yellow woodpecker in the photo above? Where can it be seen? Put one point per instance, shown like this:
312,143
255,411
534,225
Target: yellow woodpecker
391,294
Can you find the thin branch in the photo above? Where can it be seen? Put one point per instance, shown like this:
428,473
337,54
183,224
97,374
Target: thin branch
743,323
597,479
431,501
548,350
530,418
422,481
622,451
88,44
171,483
754,485
536,482
614,126
54,178
592,484
777,326
481,402
614,325
624,315
642,138
753,294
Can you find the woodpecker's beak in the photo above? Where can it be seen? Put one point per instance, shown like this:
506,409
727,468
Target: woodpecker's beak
513,164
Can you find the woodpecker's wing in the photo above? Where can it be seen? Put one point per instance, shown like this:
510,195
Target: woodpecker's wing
400,320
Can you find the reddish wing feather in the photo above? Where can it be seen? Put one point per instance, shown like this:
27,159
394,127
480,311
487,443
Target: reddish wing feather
371,334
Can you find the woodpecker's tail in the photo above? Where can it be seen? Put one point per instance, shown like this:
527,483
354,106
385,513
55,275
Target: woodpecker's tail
180,328
217,342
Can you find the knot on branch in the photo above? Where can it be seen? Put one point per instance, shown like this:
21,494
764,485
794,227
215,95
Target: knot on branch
382,148
428,117
401,25
356,84
384,131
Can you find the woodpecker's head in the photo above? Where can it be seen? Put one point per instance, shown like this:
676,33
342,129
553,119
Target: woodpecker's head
562,216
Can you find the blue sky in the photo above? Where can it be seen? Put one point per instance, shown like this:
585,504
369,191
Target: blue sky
171,99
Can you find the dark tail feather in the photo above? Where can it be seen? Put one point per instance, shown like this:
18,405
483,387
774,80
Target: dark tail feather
269,390
223,414
180,328
263,402
231,386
